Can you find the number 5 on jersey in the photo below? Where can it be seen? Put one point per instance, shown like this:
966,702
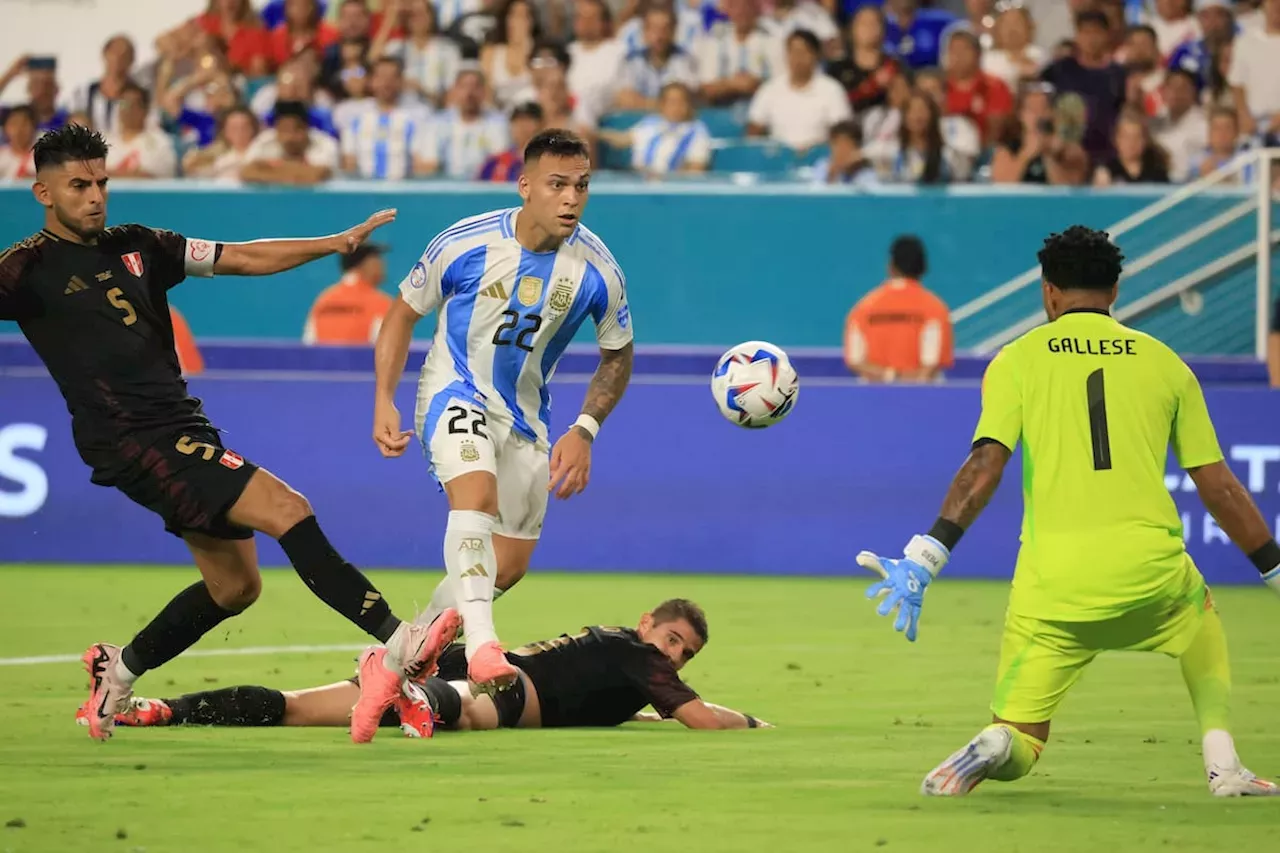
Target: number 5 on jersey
116,297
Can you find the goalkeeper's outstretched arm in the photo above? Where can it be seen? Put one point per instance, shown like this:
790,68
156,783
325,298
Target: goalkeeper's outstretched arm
971,490
1230,504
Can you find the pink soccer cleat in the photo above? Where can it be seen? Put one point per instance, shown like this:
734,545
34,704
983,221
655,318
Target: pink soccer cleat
382,670
108,695
489,671
417,719
141,713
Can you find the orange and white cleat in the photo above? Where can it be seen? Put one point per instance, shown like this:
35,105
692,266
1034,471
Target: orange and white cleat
489,671
1239,782
967,767
141,713
108,695
417,718
383,670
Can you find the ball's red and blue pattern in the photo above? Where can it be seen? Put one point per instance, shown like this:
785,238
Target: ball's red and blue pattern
755,385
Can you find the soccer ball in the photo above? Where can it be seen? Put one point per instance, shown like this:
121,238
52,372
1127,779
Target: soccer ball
755,385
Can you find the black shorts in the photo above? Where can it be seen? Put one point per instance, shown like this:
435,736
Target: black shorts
187,478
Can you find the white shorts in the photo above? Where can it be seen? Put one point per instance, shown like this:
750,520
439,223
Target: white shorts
460,438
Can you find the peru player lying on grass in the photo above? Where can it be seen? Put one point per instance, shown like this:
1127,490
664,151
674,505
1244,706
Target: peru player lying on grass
597,677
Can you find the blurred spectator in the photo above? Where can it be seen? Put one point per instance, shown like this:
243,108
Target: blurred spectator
273,12
846,165
1145,72
387,141
16,162
971,92
190,360
1063,49
505,59
239,27
354,20
200,127
350,312
303,29
1093,76
918,155
674,140
42,89
595,56
961,137
866,72
661,61
880,124
737,55
452,14
296,83
1218,92
526,122
291,152
226,154
1055,20
1224,144
558,108
1255,76
137,151
351,79
1116,14
798,108
466,135
914,34
1249,14
1218,26
687,14
1173,25
81,119
1030,151
979,19
98,99
1137,158
1183,127
900,332
431,60
1014,58
790,16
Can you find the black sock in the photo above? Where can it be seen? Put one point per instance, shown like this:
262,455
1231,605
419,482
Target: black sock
335,581
231,706
189,616
445,701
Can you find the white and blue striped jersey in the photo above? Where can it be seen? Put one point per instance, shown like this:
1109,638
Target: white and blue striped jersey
659,146
721,54
461,147
506,315
639,75
384,143
690,25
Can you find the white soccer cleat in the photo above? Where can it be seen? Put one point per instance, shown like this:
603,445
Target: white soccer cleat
108,695
1239,782
962,772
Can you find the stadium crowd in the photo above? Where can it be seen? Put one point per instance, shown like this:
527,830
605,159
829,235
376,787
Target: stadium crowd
859,92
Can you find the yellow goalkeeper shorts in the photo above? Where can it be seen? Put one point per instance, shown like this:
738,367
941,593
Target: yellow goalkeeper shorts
1040,660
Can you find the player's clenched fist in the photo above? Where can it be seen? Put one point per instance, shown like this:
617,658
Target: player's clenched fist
391,440
570,464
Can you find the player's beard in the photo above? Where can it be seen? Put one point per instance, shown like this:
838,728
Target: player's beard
87,228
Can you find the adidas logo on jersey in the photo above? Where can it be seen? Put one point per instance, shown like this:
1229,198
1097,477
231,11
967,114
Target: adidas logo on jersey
75,286
476,571
495,291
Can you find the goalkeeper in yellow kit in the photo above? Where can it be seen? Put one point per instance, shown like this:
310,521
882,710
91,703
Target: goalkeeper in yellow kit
1102,564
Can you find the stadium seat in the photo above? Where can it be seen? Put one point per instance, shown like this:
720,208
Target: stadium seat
763,157
813,155
612,157
621,120
724,122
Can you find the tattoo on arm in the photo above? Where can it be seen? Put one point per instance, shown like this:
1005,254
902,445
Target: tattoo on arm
609,382
975,483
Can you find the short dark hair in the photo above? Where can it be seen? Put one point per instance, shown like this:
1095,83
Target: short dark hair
389,60
134,89
529,109
809,39
849,129
967,35
291,109
70,143
556,142
1093,16
557,50
1145,29
21,110
1193,79
908,256
682,608
1081,258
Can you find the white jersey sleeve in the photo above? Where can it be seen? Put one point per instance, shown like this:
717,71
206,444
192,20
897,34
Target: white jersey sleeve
609,310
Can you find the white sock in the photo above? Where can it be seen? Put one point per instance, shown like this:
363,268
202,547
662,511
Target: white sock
123,673
441,600
1219,751
469,559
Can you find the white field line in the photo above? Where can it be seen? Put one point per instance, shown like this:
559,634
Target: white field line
247,651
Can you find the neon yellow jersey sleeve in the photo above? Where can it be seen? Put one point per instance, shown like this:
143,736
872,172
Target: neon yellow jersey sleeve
1001,418
1195,442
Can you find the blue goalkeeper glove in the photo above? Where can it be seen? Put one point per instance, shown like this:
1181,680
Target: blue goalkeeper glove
904,581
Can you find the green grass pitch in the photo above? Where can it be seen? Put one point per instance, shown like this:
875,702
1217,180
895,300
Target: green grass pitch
861,716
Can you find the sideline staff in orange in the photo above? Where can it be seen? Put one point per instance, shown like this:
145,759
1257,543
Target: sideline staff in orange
351,311
901,331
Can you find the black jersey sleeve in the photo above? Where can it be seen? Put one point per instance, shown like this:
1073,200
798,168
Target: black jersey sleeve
17,300
656,677
168,251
